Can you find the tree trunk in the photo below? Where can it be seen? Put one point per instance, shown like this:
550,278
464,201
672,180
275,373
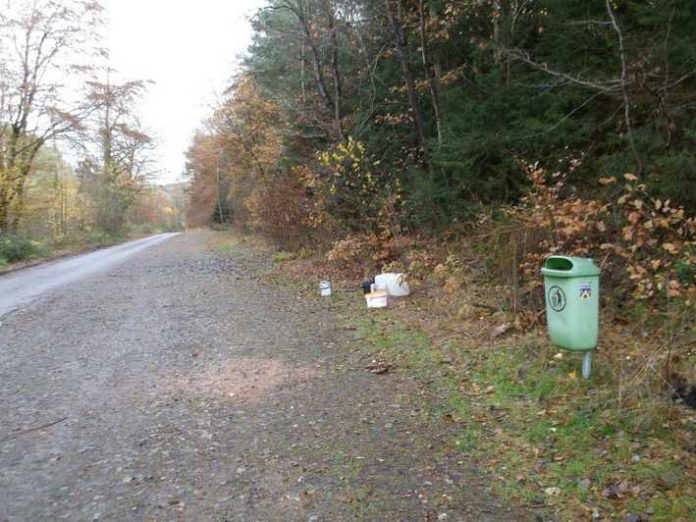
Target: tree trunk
400,43
497,13
317,65
16,207
429,73
338,89
4,209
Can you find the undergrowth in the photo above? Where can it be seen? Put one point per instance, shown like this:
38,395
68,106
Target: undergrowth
14,249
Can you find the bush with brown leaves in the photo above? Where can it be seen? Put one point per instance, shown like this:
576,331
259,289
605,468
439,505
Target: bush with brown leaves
645,246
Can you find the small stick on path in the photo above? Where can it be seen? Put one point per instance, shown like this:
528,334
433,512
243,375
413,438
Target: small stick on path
36,428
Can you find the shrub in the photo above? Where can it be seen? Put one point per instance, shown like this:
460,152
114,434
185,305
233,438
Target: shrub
280,210
14,249
348,251
646,246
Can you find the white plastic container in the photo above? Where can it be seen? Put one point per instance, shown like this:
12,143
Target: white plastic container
393,283
377,299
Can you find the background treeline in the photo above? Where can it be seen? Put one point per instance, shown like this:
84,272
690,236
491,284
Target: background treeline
60,101
362,125
366,125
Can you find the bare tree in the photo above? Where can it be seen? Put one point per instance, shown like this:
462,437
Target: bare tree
305,12
119,146
298,8
624,86
45,47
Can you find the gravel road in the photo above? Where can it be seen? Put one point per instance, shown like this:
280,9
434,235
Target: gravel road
174,387
20,288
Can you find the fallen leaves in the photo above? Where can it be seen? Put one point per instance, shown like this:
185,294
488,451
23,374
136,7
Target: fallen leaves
501,329
633,218
620,489
378,367
452,419
553,491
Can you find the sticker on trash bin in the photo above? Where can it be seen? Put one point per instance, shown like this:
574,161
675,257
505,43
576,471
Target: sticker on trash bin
557,299
585,291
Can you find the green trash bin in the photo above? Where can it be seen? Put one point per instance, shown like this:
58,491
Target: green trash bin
571,285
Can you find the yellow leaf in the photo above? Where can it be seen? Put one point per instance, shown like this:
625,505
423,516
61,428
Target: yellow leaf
630,177
670,247
607,181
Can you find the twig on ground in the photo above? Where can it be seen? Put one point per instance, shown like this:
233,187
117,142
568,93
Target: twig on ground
36,428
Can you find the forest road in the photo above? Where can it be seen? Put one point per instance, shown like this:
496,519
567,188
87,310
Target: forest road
175,385
20,288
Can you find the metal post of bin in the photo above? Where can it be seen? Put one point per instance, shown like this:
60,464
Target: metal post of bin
586,365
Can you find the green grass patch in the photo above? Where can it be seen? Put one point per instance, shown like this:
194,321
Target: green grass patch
526,415
282,256
227,246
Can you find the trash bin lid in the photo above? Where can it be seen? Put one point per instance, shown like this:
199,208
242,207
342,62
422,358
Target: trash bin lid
568,266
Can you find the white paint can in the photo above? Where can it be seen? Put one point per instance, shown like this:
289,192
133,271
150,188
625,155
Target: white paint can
325,288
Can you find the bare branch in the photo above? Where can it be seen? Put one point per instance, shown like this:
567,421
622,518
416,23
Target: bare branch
565,118
624,88
607,86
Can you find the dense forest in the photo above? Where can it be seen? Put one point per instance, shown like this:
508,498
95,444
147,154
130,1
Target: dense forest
61,104
362,125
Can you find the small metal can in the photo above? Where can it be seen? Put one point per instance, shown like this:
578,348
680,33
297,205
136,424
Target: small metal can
325,288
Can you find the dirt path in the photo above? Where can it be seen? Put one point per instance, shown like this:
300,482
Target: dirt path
171,388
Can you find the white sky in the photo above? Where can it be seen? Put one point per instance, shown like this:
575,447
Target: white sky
190,50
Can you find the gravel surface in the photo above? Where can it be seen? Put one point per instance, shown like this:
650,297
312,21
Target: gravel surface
177,387
19,288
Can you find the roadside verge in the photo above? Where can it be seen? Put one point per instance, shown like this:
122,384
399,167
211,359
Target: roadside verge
564,447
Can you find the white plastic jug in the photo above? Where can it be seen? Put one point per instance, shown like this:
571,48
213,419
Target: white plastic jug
393,283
